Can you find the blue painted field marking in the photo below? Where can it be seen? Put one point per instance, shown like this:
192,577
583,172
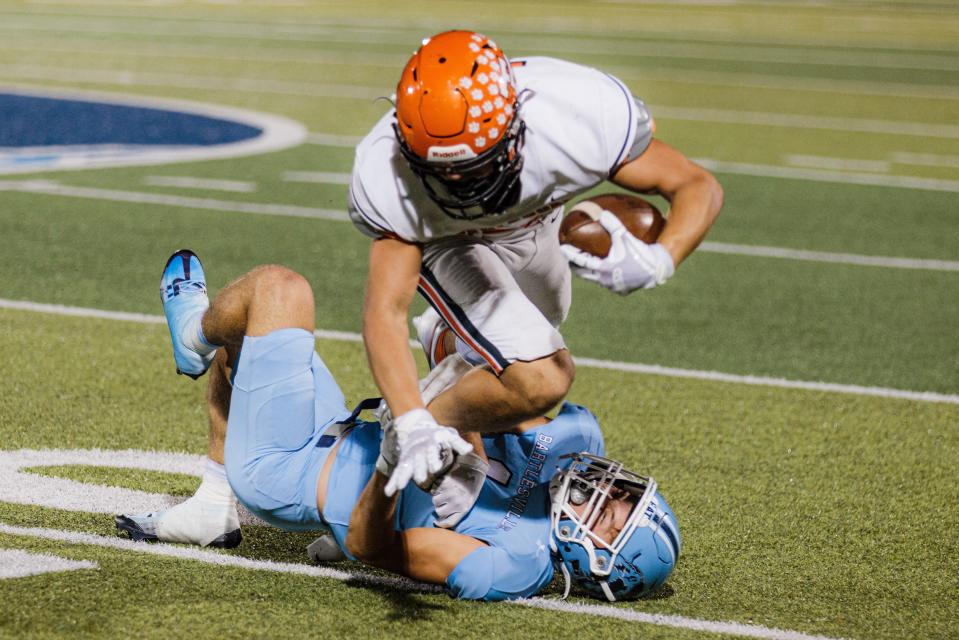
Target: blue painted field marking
53,130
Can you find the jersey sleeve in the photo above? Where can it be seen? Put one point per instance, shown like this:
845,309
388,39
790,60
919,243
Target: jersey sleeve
362,210
628,125
493,573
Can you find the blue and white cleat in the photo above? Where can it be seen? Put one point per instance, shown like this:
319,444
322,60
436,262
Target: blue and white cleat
183,293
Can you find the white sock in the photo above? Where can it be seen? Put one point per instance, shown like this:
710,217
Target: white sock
214,488
193,335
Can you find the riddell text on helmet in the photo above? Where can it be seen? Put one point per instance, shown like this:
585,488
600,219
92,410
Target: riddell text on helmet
457,152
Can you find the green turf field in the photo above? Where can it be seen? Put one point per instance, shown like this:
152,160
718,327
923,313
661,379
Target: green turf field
834,129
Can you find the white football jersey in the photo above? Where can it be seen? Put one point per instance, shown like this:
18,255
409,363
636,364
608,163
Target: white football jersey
581,124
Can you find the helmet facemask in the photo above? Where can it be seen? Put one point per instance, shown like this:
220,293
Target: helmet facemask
475,187
579,495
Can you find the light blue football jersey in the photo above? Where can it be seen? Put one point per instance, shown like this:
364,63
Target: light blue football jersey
511,514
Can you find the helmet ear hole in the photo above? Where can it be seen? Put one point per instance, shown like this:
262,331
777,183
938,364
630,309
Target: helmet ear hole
442,60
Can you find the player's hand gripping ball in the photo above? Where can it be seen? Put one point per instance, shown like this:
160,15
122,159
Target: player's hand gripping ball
611,240
581,227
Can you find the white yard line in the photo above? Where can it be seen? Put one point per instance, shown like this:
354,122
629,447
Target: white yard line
925,159
802,121
419,26
138,197
360,92
232,206
195,554
629,367
317,177
836,164
279,55
190,182
826,256
185,81
821,175
585,44
15,563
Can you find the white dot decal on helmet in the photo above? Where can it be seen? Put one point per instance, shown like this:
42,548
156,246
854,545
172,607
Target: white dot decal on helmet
465,82
493,132
474,47
475,112
482,78
477,94
487,106
480,141
481,59
478,37
493,90
473,127
500,119
499,102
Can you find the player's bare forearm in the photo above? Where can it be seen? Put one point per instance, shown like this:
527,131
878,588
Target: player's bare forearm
426,554
393,276
693,210
371,537
695,196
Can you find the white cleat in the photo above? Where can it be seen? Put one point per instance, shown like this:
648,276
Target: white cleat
192,522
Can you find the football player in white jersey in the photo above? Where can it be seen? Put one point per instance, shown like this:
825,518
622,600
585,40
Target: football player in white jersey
462,189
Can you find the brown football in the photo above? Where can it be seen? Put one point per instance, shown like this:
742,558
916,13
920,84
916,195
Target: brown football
581,228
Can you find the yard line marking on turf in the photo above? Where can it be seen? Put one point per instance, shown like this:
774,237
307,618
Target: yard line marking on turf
820,175
802,121
188,182
926,159
664,620
16,563
231,206
213,557
558,26
52,188
826,256
836,164
792,55
677,75
724,79
399,583
186,81
257,85
783,383
20,484
317,177
595,363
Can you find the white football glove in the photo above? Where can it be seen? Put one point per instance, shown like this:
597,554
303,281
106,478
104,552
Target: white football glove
455,493
631,263
417,448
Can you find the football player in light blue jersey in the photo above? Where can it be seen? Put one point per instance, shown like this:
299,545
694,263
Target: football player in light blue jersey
493,523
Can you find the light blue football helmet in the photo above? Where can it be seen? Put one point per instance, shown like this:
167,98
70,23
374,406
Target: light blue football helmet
644,552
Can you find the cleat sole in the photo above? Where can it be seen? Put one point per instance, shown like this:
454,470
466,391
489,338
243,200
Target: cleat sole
228,540
132,529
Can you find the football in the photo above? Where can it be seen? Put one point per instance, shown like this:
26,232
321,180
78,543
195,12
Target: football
581,228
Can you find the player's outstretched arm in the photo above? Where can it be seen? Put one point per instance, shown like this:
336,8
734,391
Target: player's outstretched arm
426,554
695,196
394,271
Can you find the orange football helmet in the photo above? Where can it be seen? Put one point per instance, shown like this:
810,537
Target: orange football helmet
457,123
